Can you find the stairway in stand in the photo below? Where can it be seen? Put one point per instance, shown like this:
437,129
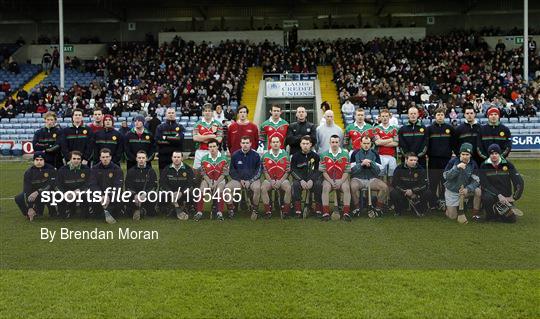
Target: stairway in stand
329,92
251,90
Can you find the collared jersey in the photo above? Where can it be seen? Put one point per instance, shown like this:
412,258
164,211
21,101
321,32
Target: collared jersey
354,134
276,165
269,129
391,132
335,165
215,167
204,128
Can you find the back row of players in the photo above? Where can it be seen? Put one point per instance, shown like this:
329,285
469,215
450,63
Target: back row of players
363,157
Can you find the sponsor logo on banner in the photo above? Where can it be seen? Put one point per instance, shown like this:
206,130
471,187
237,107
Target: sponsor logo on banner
290,89
526,142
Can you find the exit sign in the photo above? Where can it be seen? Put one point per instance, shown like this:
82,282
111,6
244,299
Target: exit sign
518,40
68,48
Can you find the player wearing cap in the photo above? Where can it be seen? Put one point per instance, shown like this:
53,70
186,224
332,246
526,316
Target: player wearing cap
110,138
442,141
139,139
242,127
73,179
494,133
276,167
45,140
335,168
385,137
169,138
413,137
502,185
106,175
354,132
365,174
214,170
38,178
274,126
245,172
461,181
77,137
205,130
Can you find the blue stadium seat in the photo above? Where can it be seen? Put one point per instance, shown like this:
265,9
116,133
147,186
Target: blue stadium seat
514,120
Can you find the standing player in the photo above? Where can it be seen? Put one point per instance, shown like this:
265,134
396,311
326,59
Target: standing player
494,133
326,130
274,126
140,180
502,185
175,179
335,167
355,131
169,138
245,172
97,120
442,141
365,174
242,127
73,177
214,170
306,175
410,186
106,175
45,140
276,167
204,131
77,137
386,140
467,132
109,138
38,178
461,175
300,129
139,139
413,137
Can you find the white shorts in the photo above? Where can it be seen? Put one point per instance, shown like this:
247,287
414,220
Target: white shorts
388,163
451,198
199,154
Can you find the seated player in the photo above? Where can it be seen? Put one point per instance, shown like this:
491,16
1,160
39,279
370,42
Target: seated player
461,180
365,172
38,178
410,186
502,186
306,175
106,178
335,167
214,170
73,179
276,170
245,172
175,179
140,180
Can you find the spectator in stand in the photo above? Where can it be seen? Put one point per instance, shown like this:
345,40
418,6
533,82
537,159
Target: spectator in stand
218,114
46,61
348,108
229,113
6,87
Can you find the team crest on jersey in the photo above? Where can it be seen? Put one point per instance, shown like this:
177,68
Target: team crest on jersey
415,175
447,131
164,137
177,129
505,168
46,174
147,137
421,130
54,135
308,129
184,174
82,175
114,138
312,160
501,133
84,132
110,175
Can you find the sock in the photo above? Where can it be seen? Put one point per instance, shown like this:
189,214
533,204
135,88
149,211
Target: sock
379,204
267,208
200,205
297,206
326,209
346,209
318,207
220,206
230,206
475,211
287,208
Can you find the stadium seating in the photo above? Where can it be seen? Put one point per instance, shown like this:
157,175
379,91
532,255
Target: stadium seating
71,76
28,71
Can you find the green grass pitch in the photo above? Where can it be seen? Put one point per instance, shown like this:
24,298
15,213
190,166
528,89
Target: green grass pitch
400,267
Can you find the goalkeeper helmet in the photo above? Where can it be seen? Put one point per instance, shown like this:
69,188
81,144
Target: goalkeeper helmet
502,209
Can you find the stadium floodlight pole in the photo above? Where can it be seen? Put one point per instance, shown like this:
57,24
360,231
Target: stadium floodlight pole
61,40
526,40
